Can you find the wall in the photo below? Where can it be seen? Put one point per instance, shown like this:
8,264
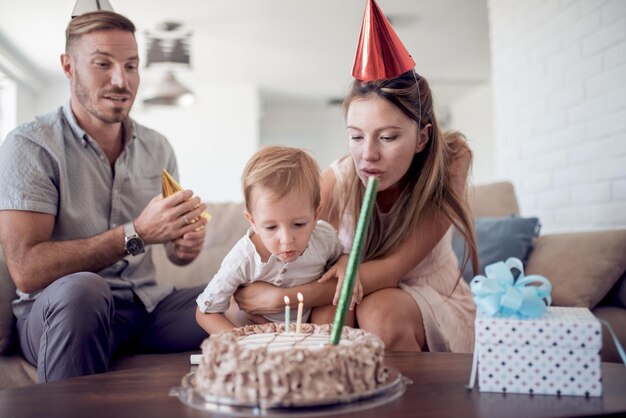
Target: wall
55,94
320,128
213,138
8,110
27,82
313,125
559,83
472,114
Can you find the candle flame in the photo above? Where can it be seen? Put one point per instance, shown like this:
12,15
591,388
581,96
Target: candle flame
287,300
300,297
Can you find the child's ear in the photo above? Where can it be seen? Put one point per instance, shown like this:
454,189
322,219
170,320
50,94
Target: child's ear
250,219
318,211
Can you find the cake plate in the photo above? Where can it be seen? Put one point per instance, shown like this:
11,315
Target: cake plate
383,394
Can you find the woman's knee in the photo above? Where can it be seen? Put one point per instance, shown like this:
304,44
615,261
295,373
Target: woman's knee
375,309
394,316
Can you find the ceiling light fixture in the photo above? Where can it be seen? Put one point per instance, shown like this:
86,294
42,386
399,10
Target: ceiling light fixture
168,43
168,50
169,92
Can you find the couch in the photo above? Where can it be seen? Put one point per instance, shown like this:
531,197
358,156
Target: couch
586,269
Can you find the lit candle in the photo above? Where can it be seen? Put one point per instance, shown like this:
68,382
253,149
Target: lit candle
299,317
354,260
287,313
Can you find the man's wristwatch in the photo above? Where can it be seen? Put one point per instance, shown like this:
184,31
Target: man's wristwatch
134,244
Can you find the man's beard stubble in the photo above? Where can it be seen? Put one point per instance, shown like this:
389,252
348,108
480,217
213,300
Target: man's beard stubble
82,94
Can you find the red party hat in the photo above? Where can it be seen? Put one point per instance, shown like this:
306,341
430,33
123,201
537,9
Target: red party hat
380,53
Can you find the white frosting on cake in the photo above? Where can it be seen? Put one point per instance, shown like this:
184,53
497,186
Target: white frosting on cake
281,341
262,365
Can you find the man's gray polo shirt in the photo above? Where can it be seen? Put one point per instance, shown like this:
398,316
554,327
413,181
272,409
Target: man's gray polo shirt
52,166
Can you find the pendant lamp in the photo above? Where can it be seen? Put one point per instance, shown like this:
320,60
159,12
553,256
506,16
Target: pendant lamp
169,92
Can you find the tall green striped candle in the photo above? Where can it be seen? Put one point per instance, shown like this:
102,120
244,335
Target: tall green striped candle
354,260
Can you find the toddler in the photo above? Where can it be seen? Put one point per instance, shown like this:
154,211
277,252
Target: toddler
286,245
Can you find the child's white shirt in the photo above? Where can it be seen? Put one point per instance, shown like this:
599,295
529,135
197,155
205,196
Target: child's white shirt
243,265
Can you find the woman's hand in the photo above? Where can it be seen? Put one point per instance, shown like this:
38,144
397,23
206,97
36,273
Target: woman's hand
260,298
338,271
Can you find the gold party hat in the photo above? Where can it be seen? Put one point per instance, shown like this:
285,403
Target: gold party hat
171,186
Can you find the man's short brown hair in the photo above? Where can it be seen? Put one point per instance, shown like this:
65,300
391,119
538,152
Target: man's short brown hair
95,21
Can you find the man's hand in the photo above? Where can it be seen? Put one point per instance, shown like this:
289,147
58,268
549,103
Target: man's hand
185,249
171,218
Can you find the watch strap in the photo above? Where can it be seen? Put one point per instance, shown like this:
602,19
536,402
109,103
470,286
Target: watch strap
129,230
132,241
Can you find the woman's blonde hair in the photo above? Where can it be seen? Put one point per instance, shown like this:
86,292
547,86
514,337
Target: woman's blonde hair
93,22
281,170
428,183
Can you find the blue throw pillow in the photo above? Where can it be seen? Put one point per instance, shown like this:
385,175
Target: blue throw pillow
499,239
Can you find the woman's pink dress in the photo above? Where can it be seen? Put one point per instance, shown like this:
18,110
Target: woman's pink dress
448,315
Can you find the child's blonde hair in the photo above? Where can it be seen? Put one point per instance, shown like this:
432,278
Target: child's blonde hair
281,170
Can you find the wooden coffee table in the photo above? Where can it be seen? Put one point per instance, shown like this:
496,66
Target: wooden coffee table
438,390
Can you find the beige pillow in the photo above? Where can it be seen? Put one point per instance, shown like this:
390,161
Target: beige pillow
582,266
493,200
7,294
227,226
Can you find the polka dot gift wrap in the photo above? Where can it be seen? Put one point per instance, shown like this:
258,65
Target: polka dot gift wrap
557,354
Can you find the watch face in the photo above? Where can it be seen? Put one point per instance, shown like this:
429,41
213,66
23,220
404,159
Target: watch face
134,246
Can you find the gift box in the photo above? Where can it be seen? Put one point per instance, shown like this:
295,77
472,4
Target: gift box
556,354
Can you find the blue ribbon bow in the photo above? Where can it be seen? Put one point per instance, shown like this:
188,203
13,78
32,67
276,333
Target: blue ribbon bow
499,294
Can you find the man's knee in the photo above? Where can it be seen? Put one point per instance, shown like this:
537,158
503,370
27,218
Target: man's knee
80,295
67,331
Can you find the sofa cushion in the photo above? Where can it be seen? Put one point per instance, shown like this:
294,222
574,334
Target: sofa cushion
499,239
493,199
582,266
7,294
16,372
228,224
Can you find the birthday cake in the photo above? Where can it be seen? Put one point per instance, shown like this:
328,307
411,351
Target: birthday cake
261,365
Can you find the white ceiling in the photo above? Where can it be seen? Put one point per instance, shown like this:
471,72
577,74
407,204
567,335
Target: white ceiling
291,49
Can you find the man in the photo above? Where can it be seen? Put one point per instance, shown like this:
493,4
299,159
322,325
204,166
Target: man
80,206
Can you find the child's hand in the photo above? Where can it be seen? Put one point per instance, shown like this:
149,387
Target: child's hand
338,271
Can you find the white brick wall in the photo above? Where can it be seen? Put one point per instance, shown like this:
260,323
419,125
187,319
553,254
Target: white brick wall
559,89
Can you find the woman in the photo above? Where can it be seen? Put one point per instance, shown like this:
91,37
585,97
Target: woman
414,296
